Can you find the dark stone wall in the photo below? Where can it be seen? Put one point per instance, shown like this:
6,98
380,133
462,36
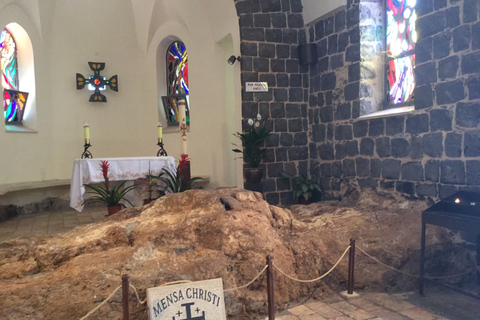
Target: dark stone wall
314,110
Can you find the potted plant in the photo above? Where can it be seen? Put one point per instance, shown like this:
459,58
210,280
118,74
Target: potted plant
303,188
151,187
177,181
109,196
252,149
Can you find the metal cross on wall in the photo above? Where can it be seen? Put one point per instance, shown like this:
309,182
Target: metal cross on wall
97,82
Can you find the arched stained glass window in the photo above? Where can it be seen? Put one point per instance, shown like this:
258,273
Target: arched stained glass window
14,101
177,82
401,37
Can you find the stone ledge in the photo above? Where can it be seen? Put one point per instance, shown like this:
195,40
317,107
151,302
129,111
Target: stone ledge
10,187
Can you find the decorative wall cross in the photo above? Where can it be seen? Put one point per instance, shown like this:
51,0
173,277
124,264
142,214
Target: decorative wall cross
97,82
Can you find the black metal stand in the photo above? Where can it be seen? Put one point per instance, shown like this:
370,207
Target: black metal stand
161,152
87,154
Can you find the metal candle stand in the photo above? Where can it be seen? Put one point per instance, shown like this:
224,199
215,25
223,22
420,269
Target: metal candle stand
87,154
161,152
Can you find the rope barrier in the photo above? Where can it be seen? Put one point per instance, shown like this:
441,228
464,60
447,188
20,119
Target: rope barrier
101,304
246,285
411,274
316,279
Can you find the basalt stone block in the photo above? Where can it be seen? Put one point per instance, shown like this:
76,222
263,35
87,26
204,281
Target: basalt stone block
326,151
416,148
295,80
268,156
326,169
340,21
297,153
290,36
261,20
283,184
360,129
354,35
326,114
320,99
296,94
368,183
352,91
452,172
354,72
363,167
473,172
441,45
295,5
446,191
330,130
312,102
277,65
279,20
247,6
252,34
246,21
476,36
461,38
453,17
355,109
329,81
295,20
432,144
367,146
280,125
405,187
439,4
280,94
424,50
248,49
273,141
471,144
412,171
382,146
426,189
377,127
336,61
426,73
353,16
453,145
340,152
249,109
293,110
353,53
474,87
391,169
283,51
441,120
417,124
351,148
319,29
343,132
295,125
343,112
272,198
343,41
269,78
349,168
261,64
431,24
325,184
337,169
400,147
312,148
424,7
300,139
322,47
282,80
448,67
467,114
470,10
329,25
274,169
277,110
323,64
291,66
395,125
387,185
281,154
432,170
329,98
471,63
332,44
375,168
286,139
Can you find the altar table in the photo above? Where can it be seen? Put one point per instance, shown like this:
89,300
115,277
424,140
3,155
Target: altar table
88,170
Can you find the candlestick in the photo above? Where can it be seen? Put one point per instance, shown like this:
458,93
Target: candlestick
160,132
183,125
86,131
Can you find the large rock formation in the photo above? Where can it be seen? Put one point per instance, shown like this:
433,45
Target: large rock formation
200,235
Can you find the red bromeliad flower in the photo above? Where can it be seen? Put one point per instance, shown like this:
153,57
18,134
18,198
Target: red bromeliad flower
104,165
182,163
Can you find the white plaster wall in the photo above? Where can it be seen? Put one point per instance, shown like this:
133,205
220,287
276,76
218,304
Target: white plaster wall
125,34
314,9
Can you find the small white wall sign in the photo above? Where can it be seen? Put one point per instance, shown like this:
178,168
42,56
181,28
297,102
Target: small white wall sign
256,87
202,300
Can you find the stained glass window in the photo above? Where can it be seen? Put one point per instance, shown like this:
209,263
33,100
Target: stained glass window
401,37
14,101
177,82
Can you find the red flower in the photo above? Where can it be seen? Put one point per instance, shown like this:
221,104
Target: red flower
104,165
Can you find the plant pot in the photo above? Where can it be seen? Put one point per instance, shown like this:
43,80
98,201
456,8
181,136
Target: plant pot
302,200
147,201
253,175
113,209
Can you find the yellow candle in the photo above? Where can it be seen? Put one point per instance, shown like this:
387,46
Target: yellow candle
183,126
86,131
160,132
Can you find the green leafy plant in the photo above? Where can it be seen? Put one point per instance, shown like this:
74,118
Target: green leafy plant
111,196
175,182
151,183
303,187
252,143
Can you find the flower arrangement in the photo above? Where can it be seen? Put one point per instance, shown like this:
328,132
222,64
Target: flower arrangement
104,194
303,187
177,181
252,142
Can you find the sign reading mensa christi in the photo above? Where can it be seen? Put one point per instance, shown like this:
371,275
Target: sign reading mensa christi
202,300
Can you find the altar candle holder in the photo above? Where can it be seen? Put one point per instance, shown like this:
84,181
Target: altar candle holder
161,152
86,153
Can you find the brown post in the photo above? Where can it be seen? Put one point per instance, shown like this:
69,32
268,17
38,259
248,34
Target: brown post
271,301
351,266
125,287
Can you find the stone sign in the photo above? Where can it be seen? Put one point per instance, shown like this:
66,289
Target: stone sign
202,300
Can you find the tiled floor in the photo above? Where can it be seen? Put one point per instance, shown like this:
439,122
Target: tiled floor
49,223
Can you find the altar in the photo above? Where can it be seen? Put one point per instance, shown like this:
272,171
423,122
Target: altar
86,171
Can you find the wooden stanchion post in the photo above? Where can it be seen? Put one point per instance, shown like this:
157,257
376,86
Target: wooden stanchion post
271,300
125,294
351,266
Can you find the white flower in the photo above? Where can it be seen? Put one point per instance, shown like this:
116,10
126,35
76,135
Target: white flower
250,122
259,117
257,124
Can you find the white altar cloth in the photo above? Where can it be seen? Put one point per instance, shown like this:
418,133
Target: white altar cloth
88,170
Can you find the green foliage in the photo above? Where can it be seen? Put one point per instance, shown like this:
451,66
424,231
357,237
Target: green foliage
151,181
110,197
175,182
252,145
303,187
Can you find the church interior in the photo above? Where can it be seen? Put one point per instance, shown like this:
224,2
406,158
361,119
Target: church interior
375,102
